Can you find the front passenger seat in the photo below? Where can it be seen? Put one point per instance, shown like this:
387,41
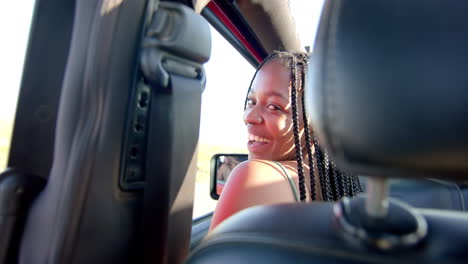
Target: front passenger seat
387,96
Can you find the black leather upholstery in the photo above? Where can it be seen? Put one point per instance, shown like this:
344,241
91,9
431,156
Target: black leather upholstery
307,233
387,96
422,194
387,91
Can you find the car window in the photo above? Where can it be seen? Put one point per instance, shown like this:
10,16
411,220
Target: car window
222,128
306,15
228,76
15,21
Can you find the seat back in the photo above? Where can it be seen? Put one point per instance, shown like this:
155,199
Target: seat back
115,124
308,233
81,215
388,87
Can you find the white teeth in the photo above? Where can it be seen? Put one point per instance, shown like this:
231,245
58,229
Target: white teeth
258,139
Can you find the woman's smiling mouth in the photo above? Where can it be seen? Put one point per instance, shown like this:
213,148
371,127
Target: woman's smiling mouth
257,144
253,138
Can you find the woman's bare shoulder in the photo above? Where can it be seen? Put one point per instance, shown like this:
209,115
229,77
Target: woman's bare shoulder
257,170
252,182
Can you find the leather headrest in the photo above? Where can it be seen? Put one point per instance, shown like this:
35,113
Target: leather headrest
387,90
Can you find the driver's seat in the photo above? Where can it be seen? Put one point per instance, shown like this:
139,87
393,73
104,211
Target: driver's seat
387,95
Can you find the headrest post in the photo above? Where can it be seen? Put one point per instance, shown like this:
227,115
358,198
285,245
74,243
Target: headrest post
377,197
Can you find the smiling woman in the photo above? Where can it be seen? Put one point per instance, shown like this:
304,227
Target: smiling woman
282,146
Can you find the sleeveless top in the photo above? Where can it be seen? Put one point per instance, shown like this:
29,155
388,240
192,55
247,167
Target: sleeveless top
290,180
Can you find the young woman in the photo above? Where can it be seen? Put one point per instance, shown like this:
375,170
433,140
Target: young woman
285,162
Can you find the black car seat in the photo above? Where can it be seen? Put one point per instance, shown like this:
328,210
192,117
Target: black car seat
32,142
121,184
387,96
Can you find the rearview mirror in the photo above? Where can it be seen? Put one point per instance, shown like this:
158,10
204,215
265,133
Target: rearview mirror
221,167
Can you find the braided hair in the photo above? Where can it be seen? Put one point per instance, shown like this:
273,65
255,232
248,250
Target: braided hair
334,183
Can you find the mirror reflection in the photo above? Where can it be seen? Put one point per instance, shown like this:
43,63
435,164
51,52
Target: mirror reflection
224,164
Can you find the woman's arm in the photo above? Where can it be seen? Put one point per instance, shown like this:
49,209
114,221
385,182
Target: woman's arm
253,182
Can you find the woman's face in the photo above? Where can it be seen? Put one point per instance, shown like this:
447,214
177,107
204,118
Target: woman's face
268,114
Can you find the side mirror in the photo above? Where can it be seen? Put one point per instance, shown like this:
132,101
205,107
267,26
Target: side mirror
221,167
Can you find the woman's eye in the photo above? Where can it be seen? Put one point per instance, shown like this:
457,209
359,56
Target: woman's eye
250,102
273,107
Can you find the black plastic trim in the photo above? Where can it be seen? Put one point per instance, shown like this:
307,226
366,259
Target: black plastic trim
133,167
200,228
213,172
229,36
235,15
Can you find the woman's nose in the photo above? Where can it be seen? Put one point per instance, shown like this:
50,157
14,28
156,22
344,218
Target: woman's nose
252,116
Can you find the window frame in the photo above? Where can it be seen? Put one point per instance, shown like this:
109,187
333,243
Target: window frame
242,40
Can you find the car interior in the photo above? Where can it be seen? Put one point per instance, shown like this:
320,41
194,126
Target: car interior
102,161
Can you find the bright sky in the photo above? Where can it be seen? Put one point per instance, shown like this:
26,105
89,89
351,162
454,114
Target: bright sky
228,73
306,14
15,18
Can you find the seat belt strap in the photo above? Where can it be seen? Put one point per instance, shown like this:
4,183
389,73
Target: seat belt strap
176,44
